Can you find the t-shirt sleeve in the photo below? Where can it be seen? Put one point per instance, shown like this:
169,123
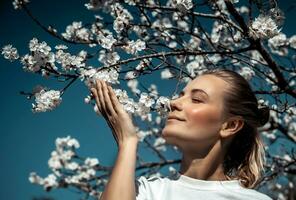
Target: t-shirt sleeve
149,188
142,188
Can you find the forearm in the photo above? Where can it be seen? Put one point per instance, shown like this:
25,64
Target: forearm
121,184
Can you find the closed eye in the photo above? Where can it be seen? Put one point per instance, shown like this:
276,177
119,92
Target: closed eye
197,100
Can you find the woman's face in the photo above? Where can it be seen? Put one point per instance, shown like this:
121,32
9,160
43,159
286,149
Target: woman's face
199,109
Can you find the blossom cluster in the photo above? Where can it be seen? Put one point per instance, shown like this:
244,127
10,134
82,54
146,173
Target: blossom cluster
135,46
280,44
75,31
90,74
46,100
122,17
10,52
64,159
182,5
40,57
247,73
264,27
18,4
143,107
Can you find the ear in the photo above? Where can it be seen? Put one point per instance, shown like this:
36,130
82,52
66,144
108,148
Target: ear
231,126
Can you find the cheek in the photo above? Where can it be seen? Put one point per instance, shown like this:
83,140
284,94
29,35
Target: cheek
207,117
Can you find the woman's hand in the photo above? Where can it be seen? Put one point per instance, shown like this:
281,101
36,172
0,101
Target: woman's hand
117,118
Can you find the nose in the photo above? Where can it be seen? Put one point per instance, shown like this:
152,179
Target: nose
175,104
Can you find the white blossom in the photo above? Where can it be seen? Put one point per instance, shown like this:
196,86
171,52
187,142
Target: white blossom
40,47
143,112
106,41
130,106
41,56
60,158
183,25
54,161
132,2
173,44
161,24
146,100
108,58
162,106
68,61
29,63
97,4
46,100
89,173
61,47
10,52
278,44
131,75
247,73
134,46
153,91
18,4
123,17
244,9
216,32
159,144
166,74
50,181
142,134
72,166
143,64
75,31
128,103
196,66
182,5
87,99
91,162
90,75
292,41
256,58
264,27
194,43
133,85
34,178
66,142
66,155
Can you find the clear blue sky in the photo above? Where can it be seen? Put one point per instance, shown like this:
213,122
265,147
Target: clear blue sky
27,139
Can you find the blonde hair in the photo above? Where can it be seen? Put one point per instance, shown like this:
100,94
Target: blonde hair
245,156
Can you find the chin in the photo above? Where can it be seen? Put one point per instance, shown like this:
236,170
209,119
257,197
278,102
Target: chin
168,137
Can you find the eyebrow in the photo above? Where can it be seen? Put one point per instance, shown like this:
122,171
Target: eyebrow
196,90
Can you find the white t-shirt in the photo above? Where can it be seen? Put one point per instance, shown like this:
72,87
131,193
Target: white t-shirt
181,187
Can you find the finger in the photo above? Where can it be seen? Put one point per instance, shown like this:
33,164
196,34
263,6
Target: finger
104,98
112,95
115,102
95,94
100,96
108,104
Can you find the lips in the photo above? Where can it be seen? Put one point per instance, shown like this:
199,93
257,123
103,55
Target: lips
175,117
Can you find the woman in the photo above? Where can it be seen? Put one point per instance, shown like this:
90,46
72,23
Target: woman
214,124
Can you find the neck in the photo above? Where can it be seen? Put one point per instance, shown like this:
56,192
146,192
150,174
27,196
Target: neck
209,167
